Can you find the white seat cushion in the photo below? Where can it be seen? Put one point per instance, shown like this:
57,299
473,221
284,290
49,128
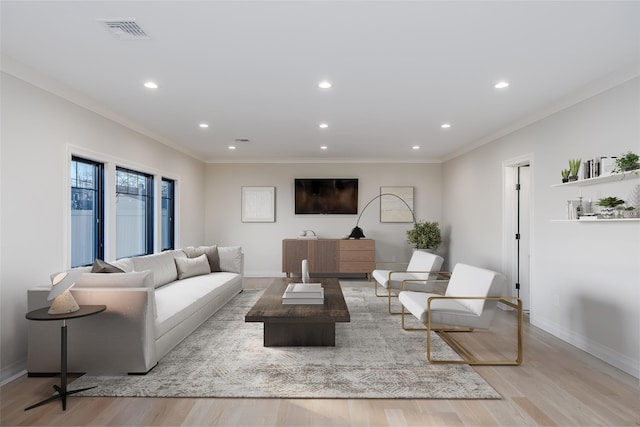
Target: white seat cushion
178,300
382,277
420,261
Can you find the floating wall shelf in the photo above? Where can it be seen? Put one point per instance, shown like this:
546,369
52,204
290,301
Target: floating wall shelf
635,174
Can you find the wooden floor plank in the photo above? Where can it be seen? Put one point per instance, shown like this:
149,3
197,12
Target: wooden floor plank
556,385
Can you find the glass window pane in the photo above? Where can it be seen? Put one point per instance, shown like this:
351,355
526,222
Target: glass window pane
167,225
134,213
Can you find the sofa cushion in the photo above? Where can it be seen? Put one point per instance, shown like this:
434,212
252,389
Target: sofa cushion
162,264
177,301
100,266
124,264
136,279
230,258
190,267
210,251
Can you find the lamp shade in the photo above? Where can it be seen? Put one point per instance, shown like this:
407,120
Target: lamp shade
63,281
357,232
63,301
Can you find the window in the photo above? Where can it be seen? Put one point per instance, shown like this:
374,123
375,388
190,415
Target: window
134,213
87,226
168,211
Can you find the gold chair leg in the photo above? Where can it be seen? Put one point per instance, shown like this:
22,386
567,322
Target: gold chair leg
468,357
375,289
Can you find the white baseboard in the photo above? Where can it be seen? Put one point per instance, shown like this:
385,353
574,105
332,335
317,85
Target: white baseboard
606,354
13,372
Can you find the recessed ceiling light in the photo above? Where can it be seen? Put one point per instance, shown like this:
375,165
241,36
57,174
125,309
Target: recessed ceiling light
232,147
501,84
445,125
324,84
323,125
151,85
416,147
323,147
203,125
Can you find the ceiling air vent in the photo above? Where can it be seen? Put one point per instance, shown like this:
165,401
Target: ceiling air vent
125,29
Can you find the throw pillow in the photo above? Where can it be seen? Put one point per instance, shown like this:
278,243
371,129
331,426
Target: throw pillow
190,267
100,266
230,258
210,251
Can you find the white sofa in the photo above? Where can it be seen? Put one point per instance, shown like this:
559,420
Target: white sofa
152,306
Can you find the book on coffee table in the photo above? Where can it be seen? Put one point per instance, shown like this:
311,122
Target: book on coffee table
303,293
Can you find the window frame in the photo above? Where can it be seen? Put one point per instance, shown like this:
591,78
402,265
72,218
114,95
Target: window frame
99,223
171,202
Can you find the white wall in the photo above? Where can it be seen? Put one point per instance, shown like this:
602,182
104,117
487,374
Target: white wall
585,284
39,130
262,242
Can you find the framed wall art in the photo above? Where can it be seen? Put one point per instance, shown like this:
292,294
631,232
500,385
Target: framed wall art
392,209
258,204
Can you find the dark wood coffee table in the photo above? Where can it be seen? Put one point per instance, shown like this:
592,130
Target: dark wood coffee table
300,325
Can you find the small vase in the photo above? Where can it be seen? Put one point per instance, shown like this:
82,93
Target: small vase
565,180
607,212
573,178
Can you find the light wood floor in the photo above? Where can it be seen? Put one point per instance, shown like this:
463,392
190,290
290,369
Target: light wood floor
556,385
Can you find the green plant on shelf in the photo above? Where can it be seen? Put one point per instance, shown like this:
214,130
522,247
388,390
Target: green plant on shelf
627,162
565,175
610,202
574,167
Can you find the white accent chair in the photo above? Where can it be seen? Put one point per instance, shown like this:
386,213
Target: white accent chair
470,302
421,274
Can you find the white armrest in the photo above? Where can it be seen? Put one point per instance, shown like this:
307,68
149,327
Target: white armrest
119,340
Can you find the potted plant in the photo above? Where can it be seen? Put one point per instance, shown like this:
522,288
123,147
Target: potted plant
628,162
609,205
425,235
574,167
565,175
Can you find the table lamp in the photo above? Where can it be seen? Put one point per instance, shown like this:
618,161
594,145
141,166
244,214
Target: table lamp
63,301
357,232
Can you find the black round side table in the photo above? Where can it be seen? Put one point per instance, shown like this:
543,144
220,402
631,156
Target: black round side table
43,314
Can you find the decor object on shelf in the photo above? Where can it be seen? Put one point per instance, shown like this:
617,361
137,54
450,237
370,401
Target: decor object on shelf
565,175
627,162
425,235
609,206
634,201
357,232
304,234
258,204
574,167
63,301
392,209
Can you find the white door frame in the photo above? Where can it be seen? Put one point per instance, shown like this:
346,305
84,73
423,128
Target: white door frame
509,219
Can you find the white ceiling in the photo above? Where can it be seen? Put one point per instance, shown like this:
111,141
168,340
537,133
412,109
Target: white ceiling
399,69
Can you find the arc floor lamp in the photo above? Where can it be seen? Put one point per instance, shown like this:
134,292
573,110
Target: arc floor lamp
357,232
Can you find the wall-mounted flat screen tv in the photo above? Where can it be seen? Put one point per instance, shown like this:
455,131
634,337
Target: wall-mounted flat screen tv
326,195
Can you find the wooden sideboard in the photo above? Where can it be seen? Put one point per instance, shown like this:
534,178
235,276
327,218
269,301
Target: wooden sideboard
328,256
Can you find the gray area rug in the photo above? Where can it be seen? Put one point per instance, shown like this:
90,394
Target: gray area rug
373,358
